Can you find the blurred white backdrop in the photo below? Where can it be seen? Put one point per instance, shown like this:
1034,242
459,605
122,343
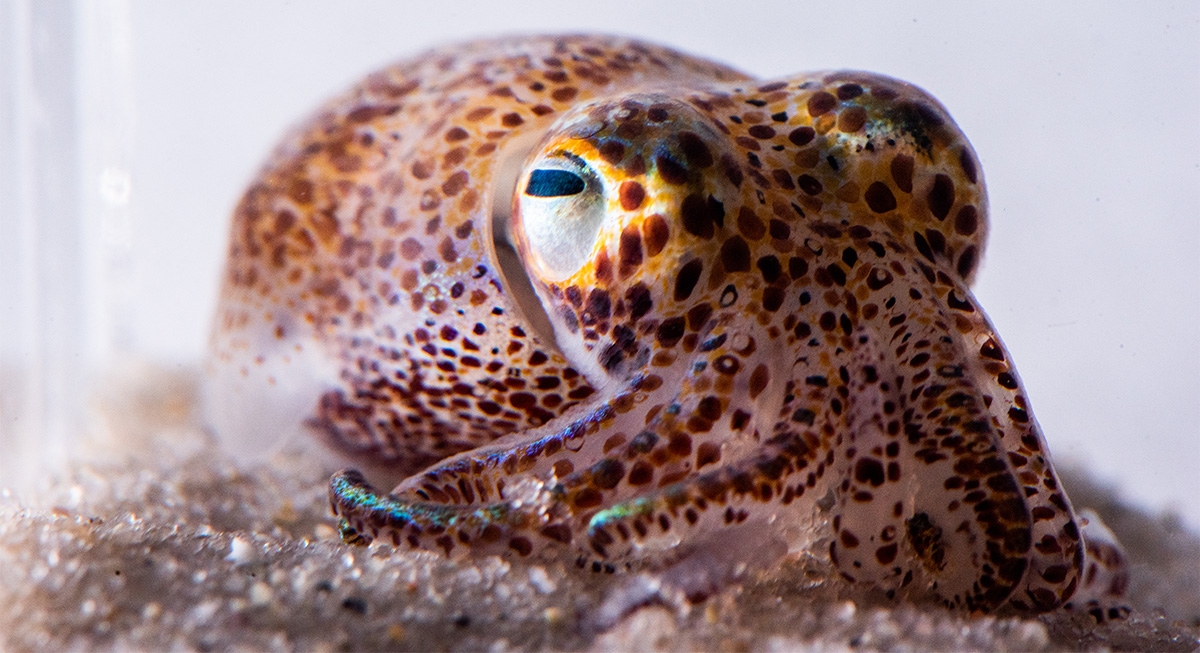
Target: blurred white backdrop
1086,116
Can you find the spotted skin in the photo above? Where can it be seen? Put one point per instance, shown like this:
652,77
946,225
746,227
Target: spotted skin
731,302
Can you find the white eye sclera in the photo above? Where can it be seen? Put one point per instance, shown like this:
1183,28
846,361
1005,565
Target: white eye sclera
562,209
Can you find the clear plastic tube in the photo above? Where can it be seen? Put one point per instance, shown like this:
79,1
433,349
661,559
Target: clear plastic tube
66,133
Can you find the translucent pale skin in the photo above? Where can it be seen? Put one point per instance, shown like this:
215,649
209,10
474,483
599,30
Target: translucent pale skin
737,304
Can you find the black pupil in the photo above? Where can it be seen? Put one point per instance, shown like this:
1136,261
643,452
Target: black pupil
554,183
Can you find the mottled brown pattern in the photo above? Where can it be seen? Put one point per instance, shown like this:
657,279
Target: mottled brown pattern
752,296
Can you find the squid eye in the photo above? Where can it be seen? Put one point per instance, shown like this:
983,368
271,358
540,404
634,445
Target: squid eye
561,213
554,183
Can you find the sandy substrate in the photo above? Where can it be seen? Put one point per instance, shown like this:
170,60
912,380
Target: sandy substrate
155,539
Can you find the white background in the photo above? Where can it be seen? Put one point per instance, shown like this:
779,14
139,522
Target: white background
1085,116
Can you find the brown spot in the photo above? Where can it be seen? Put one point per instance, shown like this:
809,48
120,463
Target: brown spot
685,280
454,157
522,400
991,349
759,379
849,91
641,473
429,200
733,171
779,229
630,109
637,298
902,172
1048,545
607,473
922,245
749,144
869,470
410,248
941,197
772,298
455,134
369,113
612,151
565,94
522,546
852,119
463,230
886,554
680,445
967,220
735,254
479,113
966,261
968,165
655,233
762,132
587,498
739,420
325,225
695,152
1042,513
629,130
879,197
809,184
698,316
707,453
750,225
1056,573
807,158
602,266
301,191
670,170
629,252
820,103
878,278
937,241
783,179
695,215
455,183
409,279
802,136
669,331
728,365
631,194
848,192
446,250
557,532
381,84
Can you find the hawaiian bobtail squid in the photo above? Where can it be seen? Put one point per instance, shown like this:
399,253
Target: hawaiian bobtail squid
592,296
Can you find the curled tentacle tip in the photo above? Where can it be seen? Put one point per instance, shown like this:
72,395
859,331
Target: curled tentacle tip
352,536
349,491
